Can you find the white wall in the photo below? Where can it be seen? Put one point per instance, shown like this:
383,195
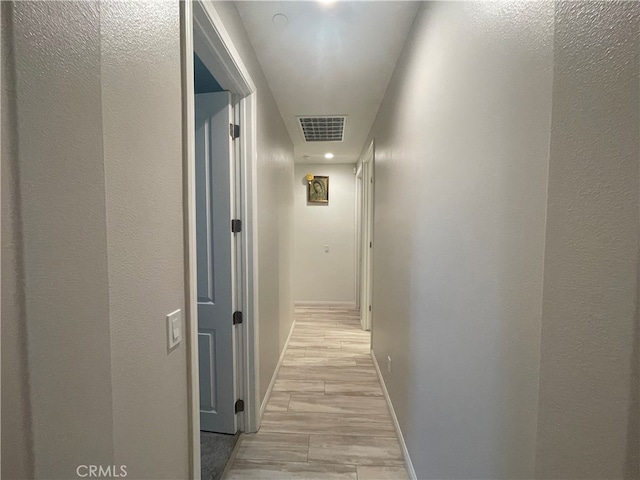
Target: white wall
275,207
590,304
462,148
142,145
98,145
321,277
509,312
93,182
62,195
100,183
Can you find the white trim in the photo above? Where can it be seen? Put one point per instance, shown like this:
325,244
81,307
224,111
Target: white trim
204,33
367,217
191,305
403,445
214,46
358,237
251,364
327,304
267,395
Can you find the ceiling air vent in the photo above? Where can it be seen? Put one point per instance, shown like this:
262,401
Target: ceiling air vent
323,129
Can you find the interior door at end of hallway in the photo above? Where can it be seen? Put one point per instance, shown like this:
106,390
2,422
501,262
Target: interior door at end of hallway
215,258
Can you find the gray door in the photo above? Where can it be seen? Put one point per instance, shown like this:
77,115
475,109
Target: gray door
216,254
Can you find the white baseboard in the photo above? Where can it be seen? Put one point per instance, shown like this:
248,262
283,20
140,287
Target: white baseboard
304,303
267,395
403,446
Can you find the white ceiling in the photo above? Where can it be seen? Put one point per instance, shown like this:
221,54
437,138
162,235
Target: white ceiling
329,59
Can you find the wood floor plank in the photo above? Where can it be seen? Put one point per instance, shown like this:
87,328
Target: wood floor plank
362,405
350,388
320,361
355,450
278,402
302,331
377,472
325,322
327,423
355,346
314,343
274,447
295,352
364,361
346,335
345,374
325,352
298,386
261,470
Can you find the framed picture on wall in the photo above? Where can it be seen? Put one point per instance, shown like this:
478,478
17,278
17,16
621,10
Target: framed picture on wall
318,190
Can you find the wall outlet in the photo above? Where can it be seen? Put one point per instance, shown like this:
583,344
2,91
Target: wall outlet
388,364
326,249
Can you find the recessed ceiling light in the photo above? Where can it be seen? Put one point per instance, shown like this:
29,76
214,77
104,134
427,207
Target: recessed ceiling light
327,2
328,156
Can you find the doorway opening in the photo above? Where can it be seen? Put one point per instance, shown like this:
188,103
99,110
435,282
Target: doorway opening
219,104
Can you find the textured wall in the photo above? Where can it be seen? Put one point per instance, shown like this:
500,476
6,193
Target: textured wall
58,95
142,125
100,157
319,276
462,140
16,421
100,160
275,207
591,255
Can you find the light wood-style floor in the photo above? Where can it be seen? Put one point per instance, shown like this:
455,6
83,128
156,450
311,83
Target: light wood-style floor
327,417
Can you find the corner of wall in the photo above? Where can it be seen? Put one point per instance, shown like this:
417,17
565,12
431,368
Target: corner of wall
17,441
589,362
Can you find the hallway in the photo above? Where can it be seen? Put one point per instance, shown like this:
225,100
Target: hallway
490,152
327,417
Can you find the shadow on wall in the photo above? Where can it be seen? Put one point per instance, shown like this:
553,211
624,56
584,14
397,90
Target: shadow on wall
203,81
17,449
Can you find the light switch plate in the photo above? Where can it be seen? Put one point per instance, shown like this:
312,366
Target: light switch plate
174,329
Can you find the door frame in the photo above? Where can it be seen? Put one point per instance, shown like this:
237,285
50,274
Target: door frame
366,204
359,226
202,31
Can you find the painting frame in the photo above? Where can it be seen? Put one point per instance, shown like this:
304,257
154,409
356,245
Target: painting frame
318,190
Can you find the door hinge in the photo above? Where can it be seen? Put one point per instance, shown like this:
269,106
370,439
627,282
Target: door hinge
237,318
369,307
236,225
234,131
239,406
370,244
